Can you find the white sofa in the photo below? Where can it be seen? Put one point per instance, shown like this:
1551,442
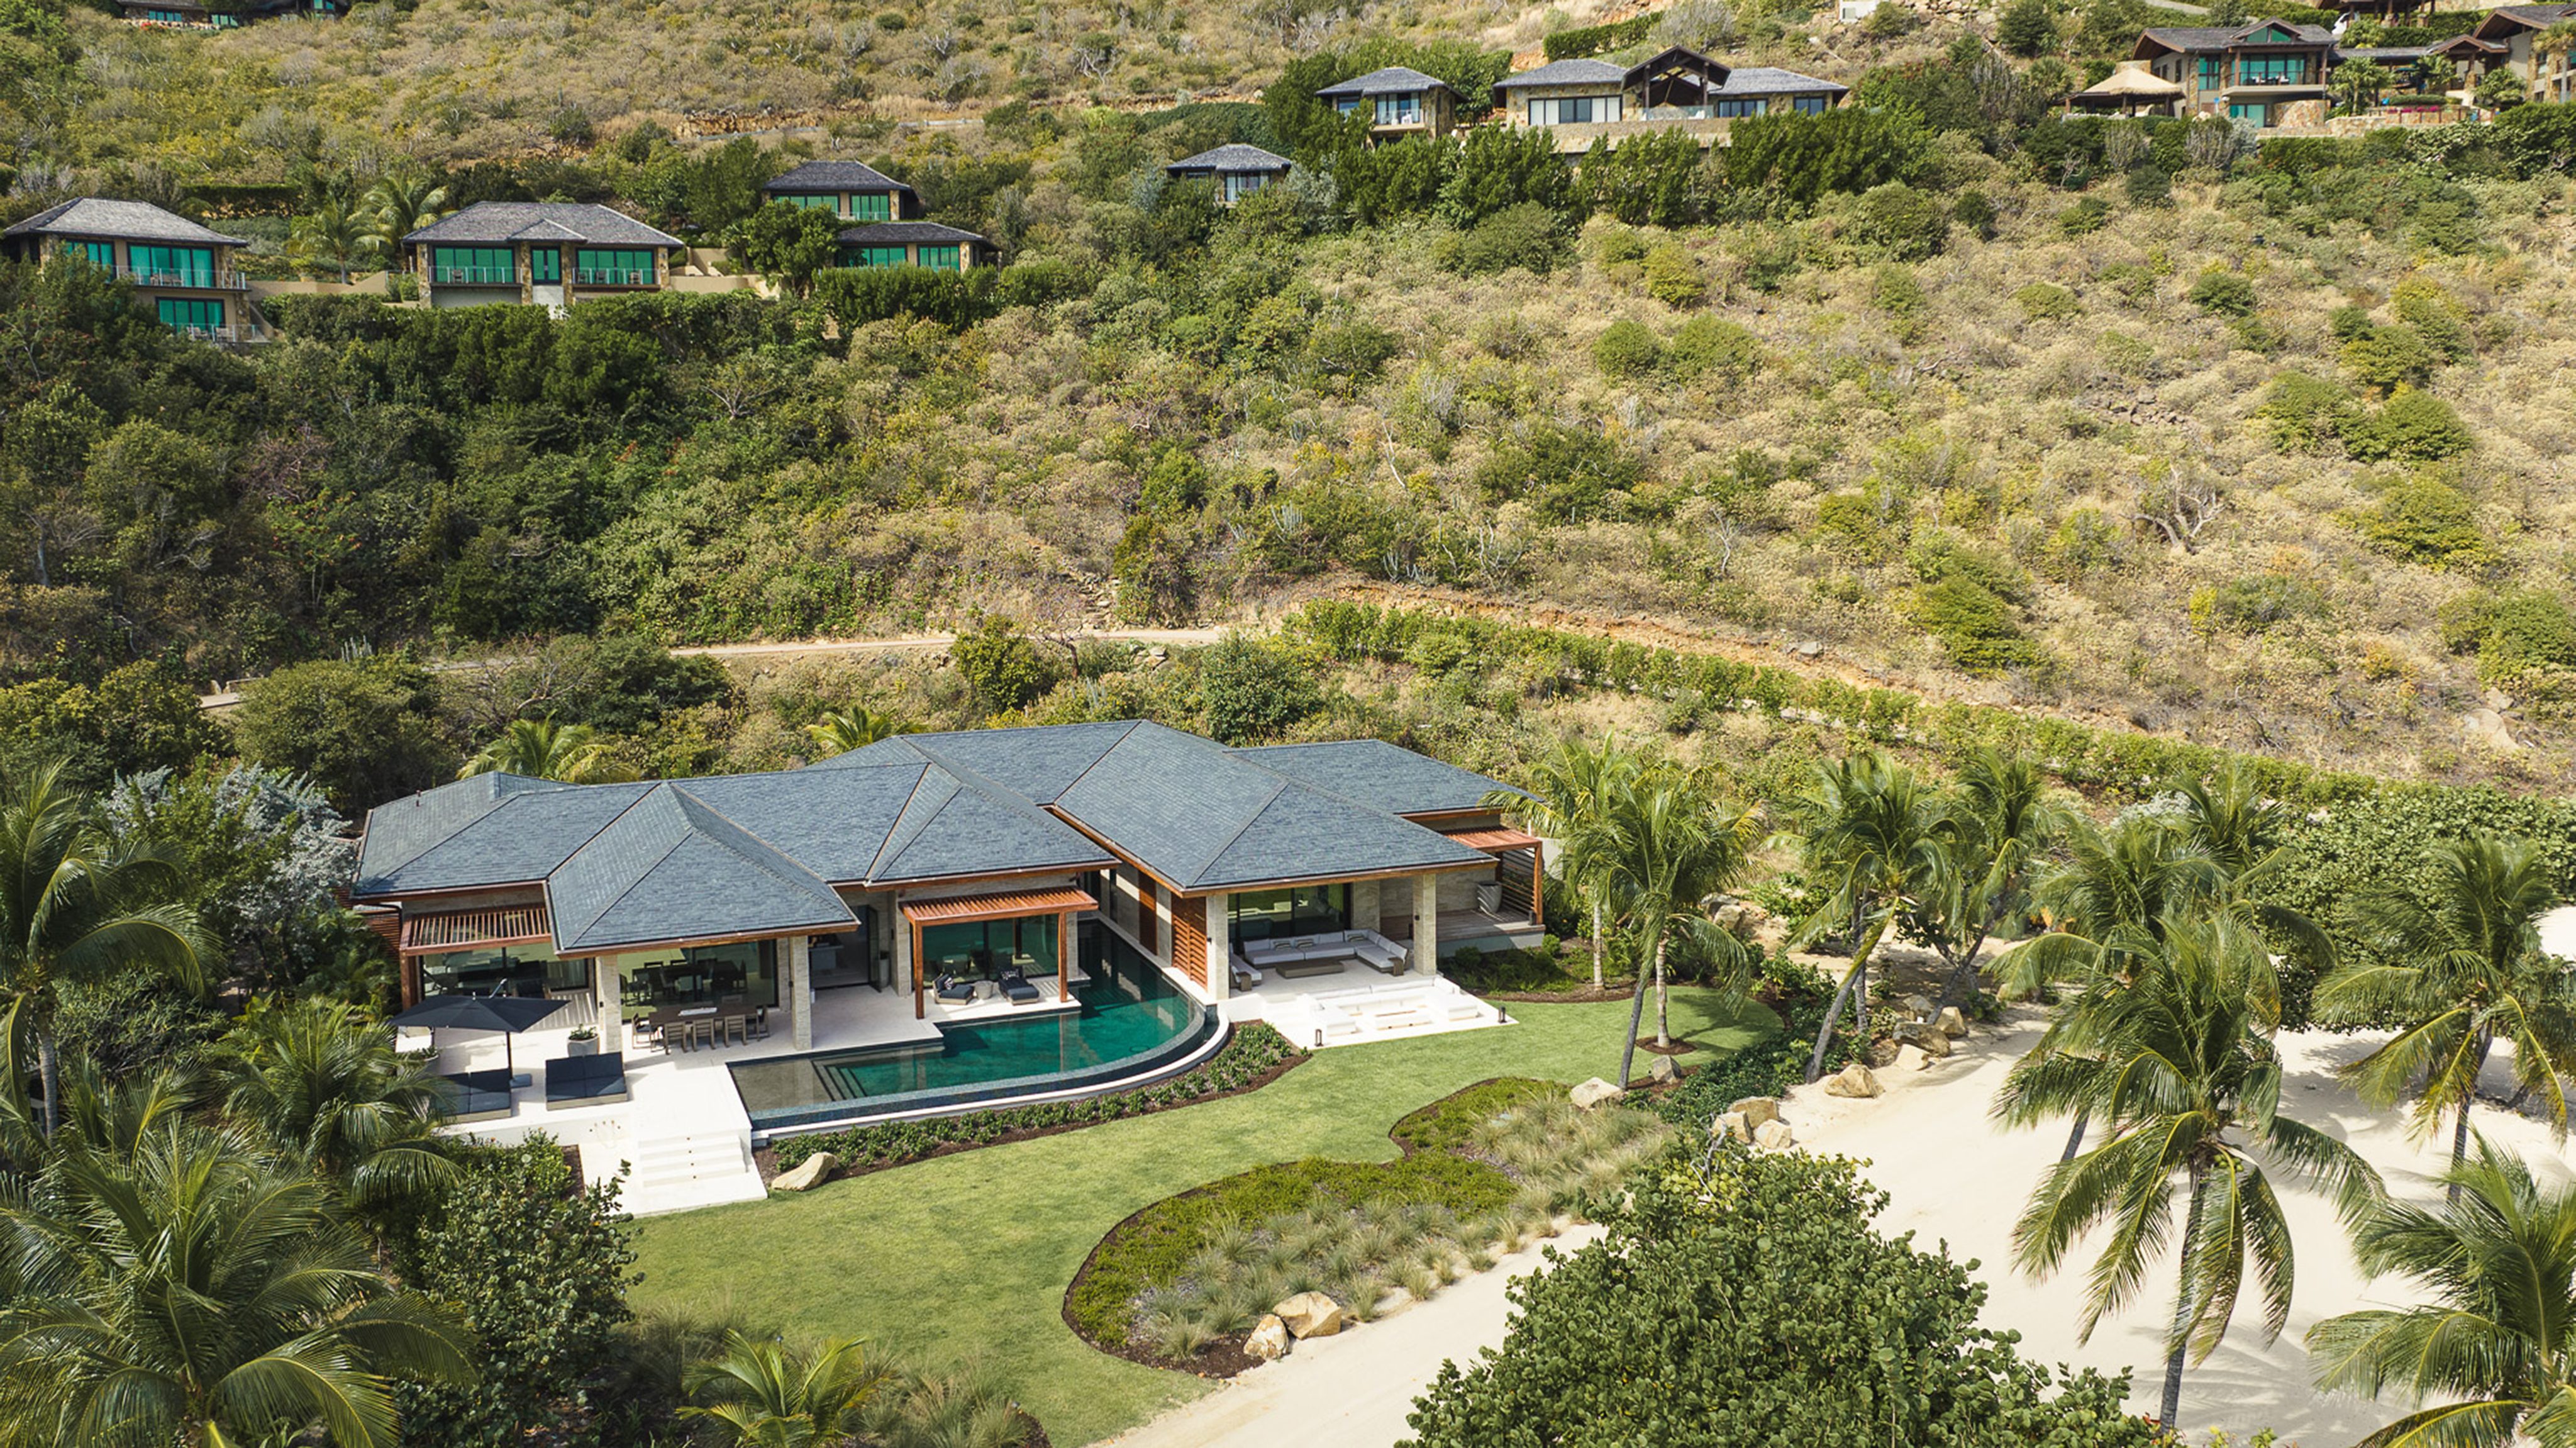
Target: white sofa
1367,946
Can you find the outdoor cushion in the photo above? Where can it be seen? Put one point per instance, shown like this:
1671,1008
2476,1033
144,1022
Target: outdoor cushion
1016,986
600,1077
953,989
476,1095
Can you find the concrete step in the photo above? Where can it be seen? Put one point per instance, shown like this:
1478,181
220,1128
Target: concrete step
676,1173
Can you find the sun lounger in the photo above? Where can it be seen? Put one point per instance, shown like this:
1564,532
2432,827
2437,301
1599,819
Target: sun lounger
586,1080
950,988
1016,986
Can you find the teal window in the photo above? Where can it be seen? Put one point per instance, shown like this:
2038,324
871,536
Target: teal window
1285,914
96,253
873,256
2272,70
173,266
545,264
2213,70
941,258
1812,105
807,203
1403,110
1729,110
191,314
165,17
472,266
2259,114
871,206
983,949
1348,105
599,267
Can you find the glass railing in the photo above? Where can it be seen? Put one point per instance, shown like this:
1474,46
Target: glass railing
475,276
614,277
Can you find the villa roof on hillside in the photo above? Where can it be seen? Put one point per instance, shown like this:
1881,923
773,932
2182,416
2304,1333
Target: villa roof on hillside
1566,72
2508,19
2132,78
1393,80
1234,158
1769,80
905,233
499,223
119,221
835,176
2195,39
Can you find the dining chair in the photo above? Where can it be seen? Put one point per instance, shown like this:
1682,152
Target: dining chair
760,1023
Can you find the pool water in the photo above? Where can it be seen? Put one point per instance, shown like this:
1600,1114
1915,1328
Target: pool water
1129,1014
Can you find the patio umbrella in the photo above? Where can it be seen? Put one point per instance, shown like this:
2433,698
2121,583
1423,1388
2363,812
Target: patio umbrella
507,1014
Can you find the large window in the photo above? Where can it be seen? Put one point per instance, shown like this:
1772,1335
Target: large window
808,203
1740,106
1348,105
941,258
1403,110
873,256
191,314
870,206
1239,184
744,974
2272,70
1812,105
174,266
473,266
520,970
96,253
1574,110
981,949
545,265
2256,114
597,267
1297,910
2213,71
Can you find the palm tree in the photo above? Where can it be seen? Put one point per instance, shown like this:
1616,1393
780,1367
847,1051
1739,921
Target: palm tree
542,749
1668,849
1571,798
2179,1062
2362,83
2556,42
1868,823
855,728
1996,819
77,904
2499,1257
332,235
2458,965
325,1087
399,204
765,1394
189,1293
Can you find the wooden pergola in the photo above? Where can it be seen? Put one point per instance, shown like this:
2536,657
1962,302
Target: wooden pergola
489,928
1503,843
1062,903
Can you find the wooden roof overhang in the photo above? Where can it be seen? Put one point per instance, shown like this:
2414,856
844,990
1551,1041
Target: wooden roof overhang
1014,905
493,926
1496,841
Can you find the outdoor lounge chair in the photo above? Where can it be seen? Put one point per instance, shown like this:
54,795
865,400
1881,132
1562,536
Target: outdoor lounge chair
1016,985
586,1080
475,1095
950,988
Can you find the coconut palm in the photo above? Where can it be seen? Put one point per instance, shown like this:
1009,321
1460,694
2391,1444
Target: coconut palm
77,904
1997,817
324,1086
2178,1060
1572,795
398,204
1669,847
855,728
1869,821
765,1394
2362,83
2498,1341
332,236
543,749
2457,966
187,1292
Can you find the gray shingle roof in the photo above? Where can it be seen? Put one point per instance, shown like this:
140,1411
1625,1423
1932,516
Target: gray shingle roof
1233,158
1567,72
1393,80
1035,763
669,868
494,223
904,233
2196,38
1768,80
1384,775
492,829
835,176
119,221
2536,17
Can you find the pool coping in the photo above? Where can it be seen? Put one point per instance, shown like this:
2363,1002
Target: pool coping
1182,1053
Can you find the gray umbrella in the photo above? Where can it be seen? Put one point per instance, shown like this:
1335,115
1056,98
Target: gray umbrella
506,1014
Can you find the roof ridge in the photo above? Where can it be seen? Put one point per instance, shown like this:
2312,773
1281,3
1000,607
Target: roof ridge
898,839
923,766
548,884
689,802
1123,736
1251,817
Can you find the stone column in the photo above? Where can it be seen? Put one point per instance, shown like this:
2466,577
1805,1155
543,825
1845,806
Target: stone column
1426,925
903,978
604,992
798,993
1220,947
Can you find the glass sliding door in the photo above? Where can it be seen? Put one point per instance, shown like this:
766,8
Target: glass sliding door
741,974
1282,914
982,949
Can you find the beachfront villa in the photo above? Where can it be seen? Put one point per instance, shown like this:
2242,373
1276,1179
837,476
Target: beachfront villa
930,921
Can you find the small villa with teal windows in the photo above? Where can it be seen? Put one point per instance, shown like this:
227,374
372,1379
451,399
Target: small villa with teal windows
182,271
1398,101
223,14
2266,74
1578,102
849,190
914,243
925,924
543,253
1236,170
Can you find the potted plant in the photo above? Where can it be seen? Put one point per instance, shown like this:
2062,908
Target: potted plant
585,1041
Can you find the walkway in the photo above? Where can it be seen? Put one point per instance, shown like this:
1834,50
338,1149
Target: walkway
1353,1390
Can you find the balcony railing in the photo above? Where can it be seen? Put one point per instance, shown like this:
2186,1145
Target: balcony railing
224,334
204,280
614,277
474,276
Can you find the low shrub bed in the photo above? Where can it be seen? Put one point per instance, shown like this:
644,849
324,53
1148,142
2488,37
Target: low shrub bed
1542,972
1254,1056
1767,1068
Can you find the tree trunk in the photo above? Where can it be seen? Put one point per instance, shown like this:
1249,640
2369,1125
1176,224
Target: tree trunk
2179,1346
2075,1138
1598,944
2460,1132
49,1072
1834,1013
1663,1010
1857,975
1636,1016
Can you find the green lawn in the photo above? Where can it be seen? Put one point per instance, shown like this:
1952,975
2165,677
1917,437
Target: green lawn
971,1254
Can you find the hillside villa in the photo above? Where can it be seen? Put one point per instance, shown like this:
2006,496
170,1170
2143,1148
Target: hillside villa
183,271
2255,73
848,189
548,253
2513,31
1235,170
933,920
1580,101
1398,100
913,243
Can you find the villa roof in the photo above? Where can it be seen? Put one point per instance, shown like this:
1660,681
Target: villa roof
2383,53
1231,159
2198,39
494,223
835,176
1393,80
119,221
905,233
2506,20
1566,72
743,855
1770,80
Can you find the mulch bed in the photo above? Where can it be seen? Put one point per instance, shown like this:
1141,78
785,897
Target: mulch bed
766,1159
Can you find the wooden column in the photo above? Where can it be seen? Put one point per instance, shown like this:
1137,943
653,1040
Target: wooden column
918,1009
1064,956
1538,885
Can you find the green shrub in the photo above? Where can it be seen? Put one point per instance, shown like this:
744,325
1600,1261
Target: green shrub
1976,213
2424,520
1566,473
1706,346
2255,605
1351,354
1627,349
2415,427
2149,185
2223,293
1622,244
2085,217
1000,664
2045,302
2420,303
2389,357
1857,522
1674,278
1976,626
1907,224
2525,629
1528,236
1945,556
2302,413
1251,691
2026,29
1891,21
2348,323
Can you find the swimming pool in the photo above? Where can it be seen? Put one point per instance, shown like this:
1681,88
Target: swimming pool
1131,1019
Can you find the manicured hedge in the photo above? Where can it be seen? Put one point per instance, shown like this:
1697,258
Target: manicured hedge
1254,1050
1594,39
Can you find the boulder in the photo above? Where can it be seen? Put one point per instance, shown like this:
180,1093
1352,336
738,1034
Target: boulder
1663,1072
1269,1340
1310,1314
1731,1126
1756,1110
1853,1080
1952,1023
1595,1091
1925,1037
1774,1136
806,1175
1919,1007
